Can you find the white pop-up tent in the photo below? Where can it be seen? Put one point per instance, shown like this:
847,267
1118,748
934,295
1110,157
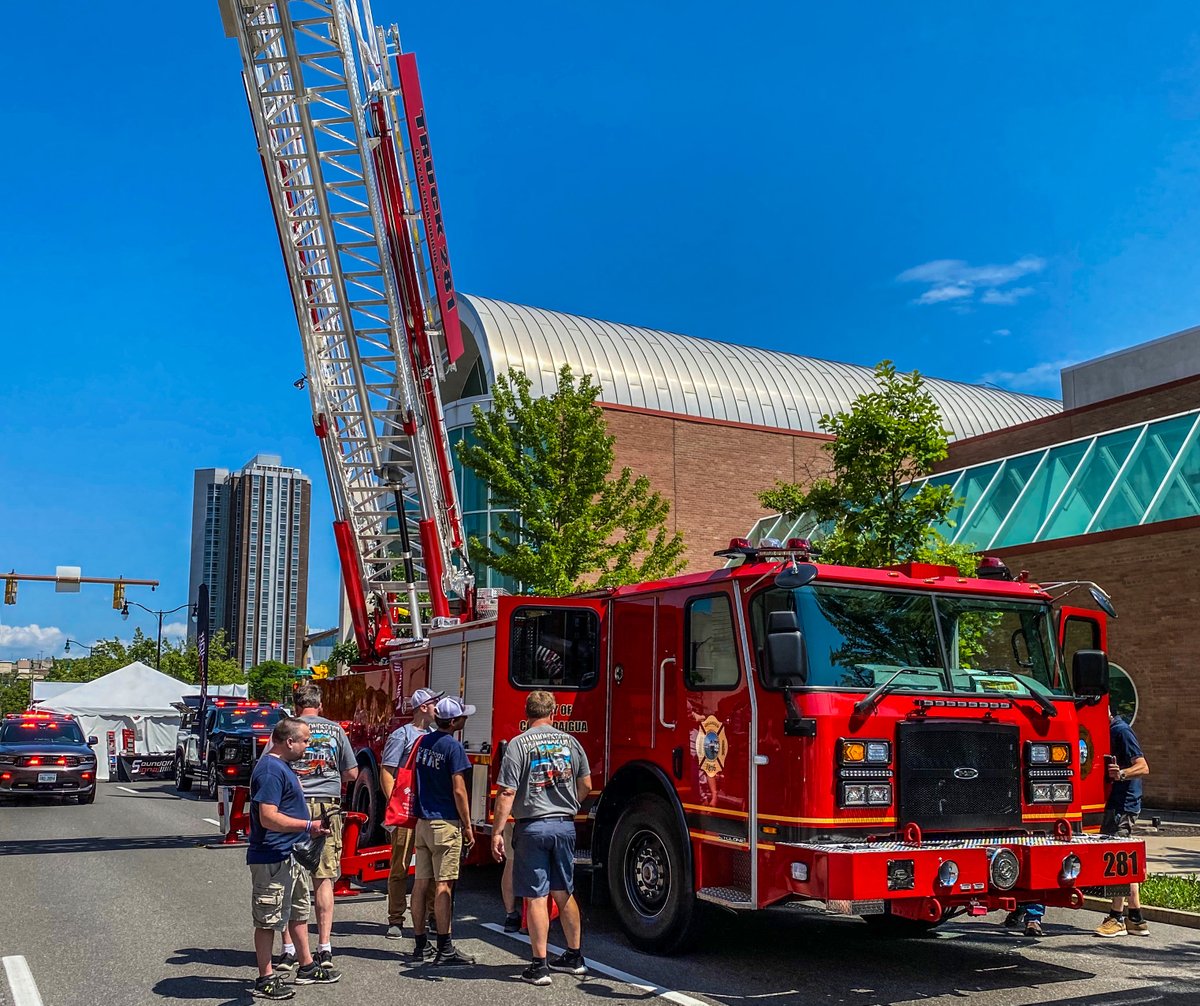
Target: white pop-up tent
135,698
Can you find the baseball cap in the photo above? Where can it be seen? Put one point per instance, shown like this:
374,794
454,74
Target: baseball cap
451,708
423,695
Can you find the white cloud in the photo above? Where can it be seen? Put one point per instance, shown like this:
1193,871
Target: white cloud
175,630
1002,331
953,279
27,640
1041,377
1006,296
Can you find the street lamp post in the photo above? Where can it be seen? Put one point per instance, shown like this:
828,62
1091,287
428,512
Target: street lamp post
67,648
157,614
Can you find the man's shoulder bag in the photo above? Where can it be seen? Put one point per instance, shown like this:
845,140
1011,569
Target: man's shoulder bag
402,807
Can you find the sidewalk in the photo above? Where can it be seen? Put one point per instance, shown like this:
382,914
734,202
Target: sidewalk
1174,847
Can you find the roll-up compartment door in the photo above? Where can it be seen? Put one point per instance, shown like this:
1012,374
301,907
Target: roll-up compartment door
446,665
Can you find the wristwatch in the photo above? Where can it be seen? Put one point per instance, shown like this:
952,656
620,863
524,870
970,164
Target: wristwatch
1120,775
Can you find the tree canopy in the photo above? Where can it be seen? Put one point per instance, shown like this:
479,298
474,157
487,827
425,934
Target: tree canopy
271,681
888,438
572,524
179,659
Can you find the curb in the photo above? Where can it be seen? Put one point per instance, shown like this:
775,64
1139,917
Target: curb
1163,916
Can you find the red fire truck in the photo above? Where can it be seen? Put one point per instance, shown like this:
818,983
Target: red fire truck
902,744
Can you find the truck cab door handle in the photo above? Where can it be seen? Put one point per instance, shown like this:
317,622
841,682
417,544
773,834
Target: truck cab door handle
662,694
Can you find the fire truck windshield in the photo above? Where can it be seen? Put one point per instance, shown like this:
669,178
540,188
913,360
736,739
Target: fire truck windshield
858,638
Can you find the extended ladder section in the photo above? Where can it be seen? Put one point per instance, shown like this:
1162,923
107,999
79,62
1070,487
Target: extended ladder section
374,301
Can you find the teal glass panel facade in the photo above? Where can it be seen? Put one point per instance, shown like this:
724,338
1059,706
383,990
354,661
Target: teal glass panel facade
1122,478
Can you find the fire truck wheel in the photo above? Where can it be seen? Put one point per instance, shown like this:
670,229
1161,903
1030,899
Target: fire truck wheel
183,781
650,878
366,798
897,927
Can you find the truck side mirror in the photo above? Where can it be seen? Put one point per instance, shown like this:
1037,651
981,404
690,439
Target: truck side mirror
93,741
1089,672
786,656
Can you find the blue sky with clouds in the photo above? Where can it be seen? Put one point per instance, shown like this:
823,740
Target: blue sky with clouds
985,193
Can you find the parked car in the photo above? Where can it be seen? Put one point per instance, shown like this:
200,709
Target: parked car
46,755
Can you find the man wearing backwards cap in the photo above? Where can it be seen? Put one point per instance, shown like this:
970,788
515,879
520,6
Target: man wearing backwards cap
396,753
443,827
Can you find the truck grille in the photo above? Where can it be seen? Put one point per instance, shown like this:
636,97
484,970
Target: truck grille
958,776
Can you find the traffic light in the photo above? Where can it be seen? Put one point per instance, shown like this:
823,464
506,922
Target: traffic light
10,590
118,596
320,672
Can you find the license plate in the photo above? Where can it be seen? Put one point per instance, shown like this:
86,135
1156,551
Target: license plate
47,777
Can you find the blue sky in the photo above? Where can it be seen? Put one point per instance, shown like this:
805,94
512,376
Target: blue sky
984,193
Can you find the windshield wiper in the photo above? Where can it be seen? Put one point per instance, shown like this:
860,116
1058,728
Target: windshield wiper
871,700
1048,708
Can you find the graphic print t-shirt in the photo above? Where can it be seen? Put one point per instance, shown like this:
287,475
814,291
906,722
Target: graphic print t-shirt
439,759
542,765
327,756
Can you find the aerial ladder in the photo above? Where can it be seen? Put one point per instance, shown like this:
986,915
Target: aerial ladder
340,124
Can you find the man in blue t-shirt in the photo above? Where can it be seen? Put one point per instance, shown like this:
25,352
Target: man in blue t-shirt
279,900
1126,769
443,827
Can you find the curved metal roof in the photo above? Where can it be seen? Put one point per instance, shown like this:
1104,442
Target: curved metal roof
648,369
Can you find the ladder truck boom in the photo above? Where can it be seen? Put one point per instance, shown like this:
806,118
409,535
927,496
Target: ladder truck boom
337,114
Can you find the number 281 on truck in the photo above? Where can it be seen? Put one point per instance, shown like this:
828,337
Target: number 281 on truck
906,744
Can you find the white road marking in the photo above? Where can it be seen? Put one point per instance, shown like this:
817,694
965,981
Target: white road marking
641,984
128,790
215,824
20,980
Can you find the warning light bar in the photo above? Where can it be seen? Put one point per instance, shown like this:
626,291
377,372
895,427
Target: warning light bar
768,548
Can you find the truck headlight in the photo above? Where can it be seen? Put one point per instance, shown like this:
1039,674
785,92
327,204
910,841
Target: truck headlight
854,794
1039,754
1070,868
878,752
879,795
231,752
1042,792
1063,792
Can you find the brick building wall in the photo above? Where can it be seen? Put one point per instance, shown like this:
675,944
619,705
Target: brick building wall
711,472
1151,574
1126,410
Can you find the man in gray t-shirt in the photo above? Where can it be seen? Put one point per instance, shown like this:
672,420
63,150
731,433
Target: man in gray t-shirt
543,779
328,765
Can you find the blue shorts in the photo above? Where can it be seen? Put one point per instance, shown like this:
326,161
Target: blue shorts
543,857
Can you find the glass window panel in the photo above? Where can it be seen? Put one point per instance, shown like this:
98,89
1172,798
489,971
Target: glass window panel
1047,485
1144,474
1079,505
945,479
1182,496
474,491
710,644
973,484
995,506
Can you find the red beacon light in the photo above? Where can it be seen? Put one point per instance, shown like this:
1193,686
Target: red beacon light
993,568
738,547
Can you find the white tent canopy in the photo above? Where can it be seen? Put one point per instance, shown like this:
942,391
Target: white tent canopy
135,698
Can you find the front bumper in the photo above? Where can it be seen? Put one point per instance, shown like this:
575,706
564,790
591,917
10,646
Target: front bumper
20,780
858,878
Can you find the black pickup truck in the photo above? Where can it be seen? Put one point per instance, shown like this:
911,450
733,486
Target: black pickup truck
219,742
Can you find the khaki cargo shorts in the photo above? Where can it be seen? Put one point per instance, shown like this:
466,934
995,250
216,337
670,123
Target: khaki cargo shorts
330,867
279,894
438,850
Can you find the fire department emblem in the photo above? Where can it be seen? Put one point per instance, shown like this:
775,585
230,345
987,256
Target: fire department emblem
711,746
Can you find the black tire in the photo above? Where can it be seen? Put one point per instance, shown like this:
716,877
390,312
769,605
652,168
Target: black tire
212,781
650,880
183,781
366,798
896,927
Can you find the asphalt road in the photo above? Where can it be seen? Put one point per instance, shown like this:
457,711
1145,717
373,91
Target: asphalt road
121,903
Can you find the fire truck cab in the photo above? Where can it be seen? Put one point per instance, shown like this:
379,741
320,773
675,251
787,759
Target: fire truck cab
903,744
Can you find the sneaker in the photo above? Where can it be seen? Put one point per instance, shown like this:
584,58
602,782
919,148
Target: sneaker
1013,918
1033,929
452,957
318,974
272,987
536,974
425,953
1137,928
512,922
1113,925
569,962
395,933
324,956
286,966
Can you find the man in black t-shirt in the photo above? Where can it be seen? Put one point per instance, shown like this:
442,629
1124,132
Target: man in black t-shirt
1126,769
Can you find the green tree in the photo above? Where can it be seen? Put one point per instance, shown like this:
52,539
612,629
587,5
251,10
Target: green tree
271,681
182,661
14,694
886,439
550,461
342,656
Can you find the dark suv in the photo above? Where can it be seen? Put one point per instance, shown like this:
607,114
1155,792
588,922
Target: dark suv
219,741
46,754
